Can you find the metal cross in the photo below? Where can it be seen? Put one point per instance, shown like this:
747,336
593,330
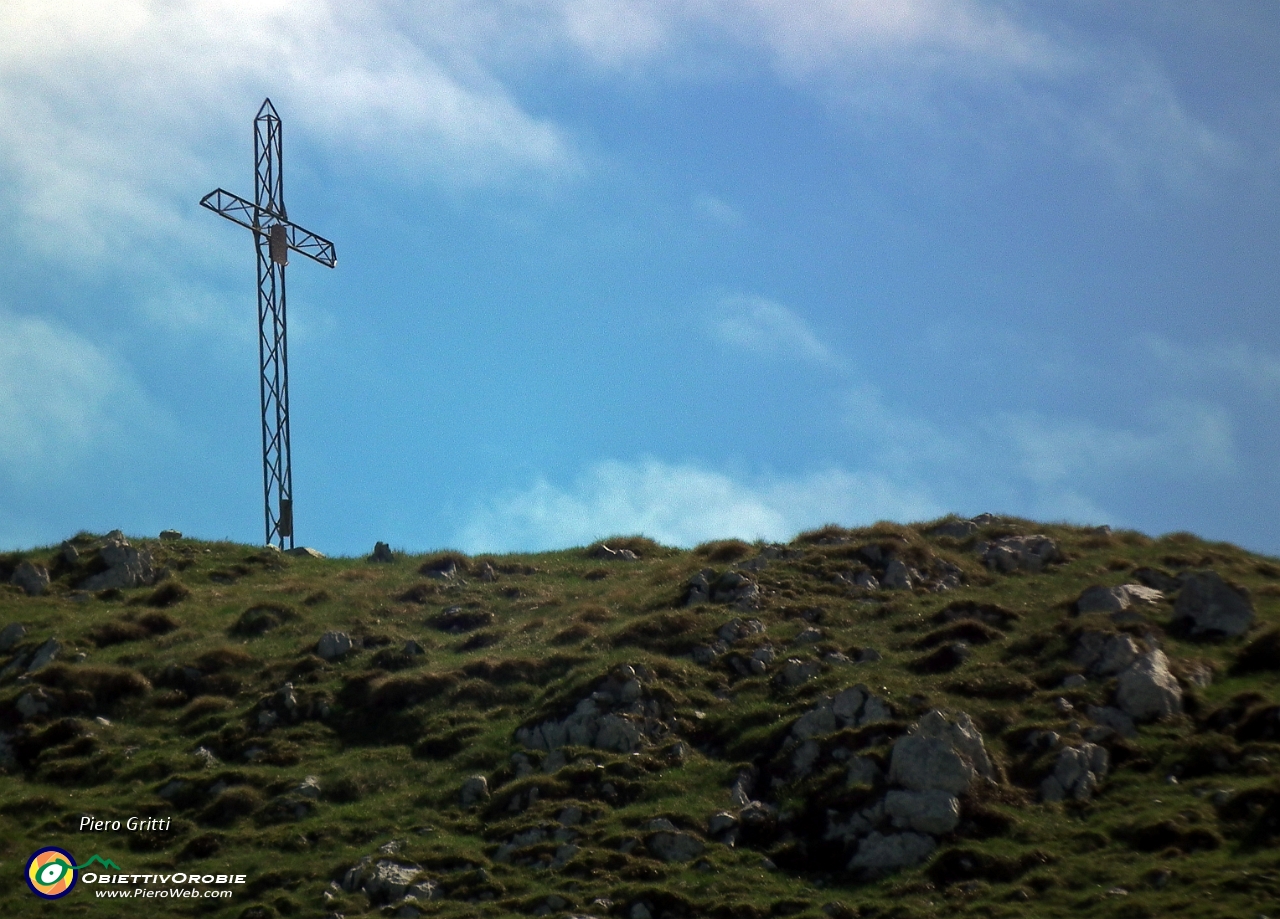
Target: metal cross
274,236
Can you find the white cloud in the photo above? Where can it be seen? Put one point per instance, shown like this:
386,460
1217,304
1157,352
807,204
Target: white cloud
1235,363
683,505
115,115
62,399
764,327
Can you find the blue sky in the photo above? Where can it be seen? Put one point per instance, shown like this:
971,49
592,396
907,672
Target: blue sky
688,268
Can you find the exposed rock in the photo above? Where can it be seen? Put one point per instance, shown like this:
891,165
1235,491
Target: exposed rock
602,551
677,846
1113,719
206,757
956,529
1077,772
698,590
1025,553
304,552
1148,690
720,823
935,812
1099,599
68,552
32,578
1073,681
737,589
45,655
897,576
310,788
33,703
474,790
614,717
862,771
126,566
1105,655
333,645
382,553
865,580
868,656
795,671
168,535
884,853
737,629
940,755
821,720
808,636
11,634
1211,606
1157,579
386,881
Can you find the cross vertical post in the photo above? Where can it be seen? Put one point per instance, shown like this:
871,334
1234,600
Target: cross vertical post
274,236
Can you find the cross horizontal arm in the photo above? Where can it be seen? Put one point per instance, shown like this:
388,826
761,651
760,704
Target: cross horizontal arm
259,220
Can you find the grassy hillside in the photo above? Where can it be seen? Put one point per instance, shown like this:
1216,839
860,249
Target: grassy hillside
169,700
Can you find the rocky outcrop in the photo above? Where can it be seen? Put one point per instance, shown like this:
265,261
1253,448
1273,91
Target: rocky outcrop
1019,553
1208,606
126,566
475,790
935,812
1105,655
333,645
382,553
32,578
1077,773
11,634
384,880
617,717
882,853
1148,690
940,755
670,844
1099,599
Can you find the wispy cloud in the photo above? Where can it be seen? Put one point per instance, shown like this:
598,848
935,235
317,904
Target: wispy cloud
764,327
1234,363
62,399
683,505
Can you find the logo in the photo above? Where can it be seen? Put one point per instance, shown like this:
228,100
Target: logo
51,873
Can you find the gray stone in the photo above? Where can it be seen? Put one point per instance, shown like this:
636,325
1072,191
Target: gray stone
45,655
1157,579
821,720
474,790
11,634
304,552
1099,599
862,771
865,580
383,880
808,636
33,703
794,671
883,853
933,812
167,535
1212,606
875,711
1148,690
675,846
737,589
618,734
1019,553
869,656
640,911
738,629
955,529
698,589
69,553
804,757
1077,772
721,822
1113,718
897,576
940,755
32,578
848,702
333,645
126,566
174,788
382,553
1074,681
570,816
206,757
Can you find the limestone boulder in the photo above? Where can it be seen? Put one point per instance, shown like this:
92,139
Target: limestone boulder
934,812
1019,553
32,578
675,846
1077,773
333,645
384,880
1210,606
474,790
11,634
382,553
44,655
940,755
126,566
882,853
1148,690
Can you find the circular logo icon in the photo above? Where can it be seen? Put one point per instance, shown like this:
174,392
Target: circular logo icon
51,873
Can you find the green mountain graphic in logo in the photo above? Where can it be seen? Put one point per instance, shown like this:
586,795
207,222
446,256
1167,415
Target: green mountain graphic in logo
104,862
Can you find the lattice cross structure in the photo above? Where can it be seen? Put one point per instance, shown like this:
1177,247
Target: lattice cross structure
274,236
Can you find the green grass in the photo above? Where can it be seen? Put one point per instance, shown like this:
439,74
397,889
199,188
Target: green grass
199,661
